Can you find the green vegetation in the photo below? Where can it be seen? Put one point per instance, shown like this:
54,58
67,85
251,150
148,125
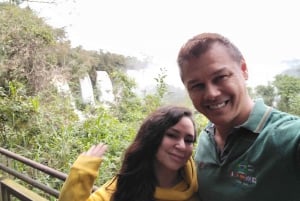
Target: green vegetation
38,122
283,93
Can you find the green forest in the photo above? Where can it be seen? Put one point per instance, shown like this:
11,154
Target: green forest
38,122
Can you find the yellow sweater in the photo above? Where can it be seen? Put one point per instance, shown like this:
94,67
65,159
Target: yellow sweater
84,171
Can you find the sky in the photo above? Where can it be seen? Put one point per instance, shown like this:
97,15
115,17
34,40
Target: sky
266,31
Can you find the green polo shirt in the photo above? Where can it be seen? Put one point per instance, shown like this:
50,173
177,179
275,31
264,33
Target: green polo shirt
259,160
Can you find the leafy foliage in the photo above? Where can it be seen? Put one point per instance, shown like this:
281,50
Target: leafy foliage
267,93
16,112
289,92
283,93
26,47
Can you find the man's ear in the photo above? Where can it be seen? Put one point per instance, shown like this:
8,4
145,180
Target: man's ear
244,69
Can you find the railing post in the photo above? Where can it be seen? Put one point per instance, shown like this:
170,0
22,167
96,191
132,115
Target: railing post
4,196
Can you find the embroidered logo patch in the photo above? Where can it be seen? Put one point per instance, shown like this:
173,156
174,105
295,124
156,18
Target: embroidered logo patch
244,173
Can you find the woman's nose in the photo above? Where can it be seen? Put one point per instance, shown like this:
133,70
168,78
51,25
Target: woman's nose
180,144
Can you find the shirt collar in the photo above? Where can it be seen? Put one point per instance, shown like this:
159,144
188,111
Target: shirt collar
258,116
255,122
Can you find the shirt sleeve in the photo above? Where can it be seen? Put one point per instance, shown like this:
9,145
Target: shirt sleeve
79,183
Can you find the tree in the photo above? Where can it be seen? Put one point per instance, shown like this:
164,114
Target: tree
266,92
288,88
26,49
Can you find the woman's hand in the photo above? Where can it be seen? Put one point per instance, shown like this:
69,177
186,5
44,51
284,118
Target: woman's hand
96,150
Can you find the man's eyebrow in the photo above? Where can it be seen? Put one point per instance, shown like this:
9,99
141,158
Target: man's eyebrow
221,70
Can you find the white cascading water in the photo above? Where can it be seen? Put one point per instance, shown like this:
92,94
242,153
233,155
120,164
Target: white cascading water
63,88
86,89
104,87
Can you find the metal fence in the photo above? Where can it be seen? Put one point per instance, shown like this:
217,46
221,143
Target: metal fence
19,185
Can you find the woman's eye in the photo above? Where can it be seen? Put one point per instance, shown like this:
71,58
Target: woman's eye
171,135
189,141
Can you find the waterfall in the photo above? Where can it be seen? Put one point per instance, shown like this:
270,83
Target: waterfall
104,88
63,88
86,89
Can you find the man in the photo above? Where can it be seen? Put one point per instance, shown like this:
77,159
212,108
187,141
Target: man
248,151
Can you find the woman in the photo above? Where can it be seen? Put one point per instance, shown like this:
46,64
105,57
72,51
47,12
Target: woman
157,165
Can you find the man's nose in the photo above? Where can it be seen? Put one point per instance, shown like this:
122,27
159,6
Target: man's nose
211,92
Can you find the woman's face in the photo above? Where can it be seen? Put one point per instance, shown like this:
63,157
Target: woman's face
176,146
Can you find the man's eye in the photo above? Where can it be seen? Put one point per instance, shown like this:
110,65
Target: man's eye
197,86
221,78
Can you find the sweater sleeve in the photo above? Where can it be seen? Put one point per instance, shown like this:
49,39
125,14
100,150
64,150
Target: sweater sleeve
79,183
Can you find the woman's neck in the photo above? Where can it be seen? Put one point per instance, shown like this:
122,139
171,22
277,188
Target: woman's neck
168,179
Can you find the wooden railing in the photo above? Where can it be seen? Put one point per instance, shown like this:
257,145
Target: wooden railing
16,185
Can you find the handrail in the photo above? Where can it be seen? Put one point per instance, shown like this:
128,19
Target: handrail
43,168
35,165
31,181
50,171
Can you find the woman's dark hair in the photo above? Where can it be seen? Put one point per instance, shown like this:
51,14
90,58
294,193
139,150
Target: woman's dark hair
136,180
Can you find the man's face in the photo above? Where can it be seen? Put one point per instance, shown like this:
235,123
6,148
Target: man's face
216,85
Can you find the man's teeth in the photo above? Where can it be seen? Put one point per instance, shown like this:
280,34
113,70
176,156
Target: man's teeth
217,106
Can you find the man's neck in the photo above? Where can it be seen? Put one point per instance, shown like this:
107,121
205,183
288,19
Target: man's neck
220,137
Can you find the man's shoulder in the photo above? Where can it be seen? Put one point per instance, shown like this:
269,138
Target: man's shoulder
282,126
284,118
